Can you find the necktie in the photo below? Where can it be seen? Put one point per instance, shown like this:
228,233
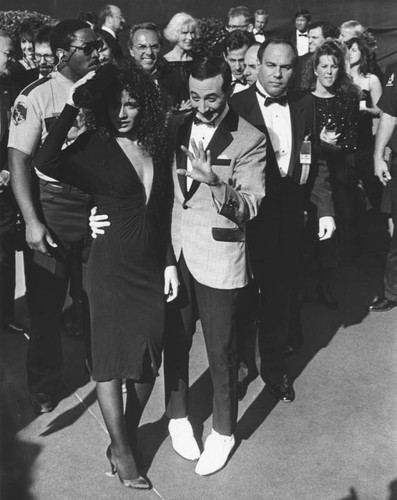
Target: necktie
302,34
276,100
197,121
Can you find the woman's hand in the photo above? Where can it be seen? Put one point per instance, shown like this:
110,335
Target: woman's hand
330,138
97,222
201,165
171,283
78,84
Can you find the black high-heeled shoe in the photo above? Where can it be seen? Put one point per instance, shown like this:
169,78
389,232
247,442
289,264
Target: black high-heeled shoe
139,483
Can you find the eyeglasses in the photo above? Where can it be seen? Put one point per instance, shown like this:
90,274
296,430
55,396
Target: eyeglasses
46,57
237,26
89,47
143,48
8,53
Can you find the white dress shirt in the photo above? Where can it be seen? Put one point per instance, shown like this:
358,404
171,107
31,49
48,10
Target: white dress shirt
302,42
259,37
278,123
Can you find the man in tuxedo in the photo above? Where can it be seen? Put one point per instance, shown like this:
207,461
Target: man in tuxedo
300,37
111,22
261,20
275,235
219,179
236,45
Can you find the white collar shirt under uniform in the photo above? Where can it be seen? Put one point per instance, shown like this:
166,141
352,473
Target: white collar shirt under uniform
302,42
203,132
278,123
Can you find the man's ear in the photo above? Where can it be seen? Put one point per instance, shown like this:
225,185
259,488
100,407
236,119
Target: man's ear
60,54
250,27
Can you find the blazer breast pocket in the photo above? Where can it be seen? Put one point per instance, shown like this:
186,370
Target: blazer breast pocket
233,234
222,162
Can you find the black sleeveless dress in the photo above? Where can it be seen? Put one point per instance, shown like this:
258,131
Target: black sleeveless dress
125,283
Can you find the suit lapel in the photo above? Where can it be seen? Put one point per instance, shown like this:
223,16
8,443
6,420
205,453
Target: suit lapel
298,132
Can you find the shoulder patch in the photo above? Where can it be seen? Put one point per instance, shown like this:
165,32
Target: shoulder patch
390,81
19,113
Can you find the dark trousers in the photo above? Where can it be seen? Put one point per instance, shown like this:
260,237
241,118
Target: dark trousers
217,311
390,279
65,212
7,257
275,243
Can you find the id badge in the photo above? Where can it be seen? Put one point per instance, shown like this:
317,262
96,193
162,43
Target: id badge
305,160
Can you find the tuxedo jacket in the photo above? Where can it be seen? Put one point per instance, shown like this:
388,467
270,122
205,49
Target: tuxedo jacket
113,44
212,235
303,124
275,235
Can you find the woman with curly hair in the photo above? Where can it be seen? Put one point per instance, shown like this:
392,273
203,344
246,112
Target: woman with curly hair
337,113
123,165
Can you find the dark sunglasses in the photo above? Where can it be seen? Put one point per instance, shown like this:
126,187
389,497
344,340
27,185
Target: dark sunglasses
89,47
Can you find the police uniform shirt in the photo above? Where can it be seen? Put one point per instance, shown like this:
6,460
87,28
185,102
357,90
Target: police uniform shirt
36,110
388,104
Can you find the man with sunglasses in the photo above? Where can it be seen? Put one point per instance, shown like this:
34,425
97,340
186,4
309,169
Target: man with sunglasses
56,219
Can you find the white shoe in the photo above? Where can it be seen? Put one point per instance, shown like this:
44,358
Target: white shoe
217,449
182,438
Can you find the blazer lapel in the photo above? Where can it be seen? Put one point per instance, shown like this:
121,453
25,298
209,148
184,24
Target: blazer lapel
298,131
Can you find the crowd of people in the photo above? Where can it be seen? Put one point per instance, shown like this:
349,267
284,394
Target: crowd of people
202,171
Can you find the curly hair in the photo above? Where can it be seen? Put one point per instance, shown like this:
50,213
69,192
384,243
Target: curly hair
151,121
365,54
335,49
177,22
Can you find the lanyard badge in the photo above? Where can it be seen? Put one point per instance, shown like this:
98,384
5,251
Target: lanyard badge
305,160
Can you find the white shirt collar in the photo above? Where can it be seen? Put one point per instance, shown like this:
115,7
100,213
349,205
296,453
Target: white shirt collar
105,28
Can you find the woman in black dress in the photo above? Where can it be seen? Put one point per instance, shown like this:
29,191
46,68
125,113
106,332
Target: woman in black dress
337,114
123,165
358,58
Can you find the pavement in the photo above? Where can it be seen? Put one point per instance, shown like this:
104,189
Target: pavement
336,441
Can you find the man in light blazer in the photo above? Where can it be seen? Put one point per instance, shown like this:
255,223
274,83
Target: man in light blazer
292,176
219,182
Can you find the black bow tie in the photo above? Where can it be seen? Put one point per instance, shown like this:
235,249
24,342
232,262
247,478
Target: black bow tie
302,34
197,121
243,81
276,100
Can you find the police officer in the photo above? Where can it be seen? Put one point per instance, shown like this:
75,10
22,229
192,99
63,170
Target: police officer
56,220
385,137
